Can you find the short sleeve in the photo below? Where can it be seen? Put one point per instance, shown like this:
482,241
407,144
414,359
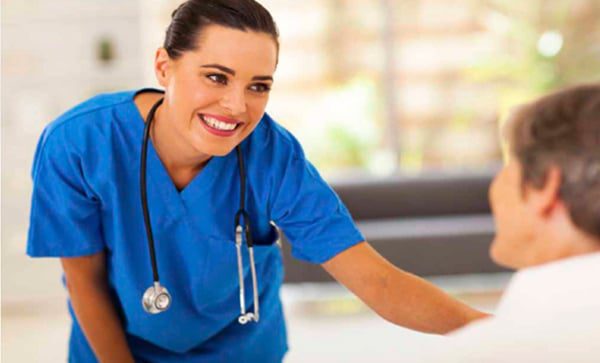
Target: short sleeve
310,213
65,215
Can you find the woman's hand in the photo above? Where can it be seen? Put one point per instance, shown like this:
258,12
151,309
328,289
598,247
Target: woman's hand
398,296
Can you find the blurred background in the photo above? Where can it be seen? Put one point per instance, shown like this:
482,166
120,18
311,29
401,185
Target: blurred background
380,93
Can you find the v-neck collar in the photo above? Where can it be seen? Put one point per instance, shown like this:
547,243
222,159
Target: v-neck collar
157,172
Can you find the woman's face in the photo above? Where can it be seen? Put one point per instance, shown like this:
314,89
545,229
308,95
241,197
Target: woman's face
216,95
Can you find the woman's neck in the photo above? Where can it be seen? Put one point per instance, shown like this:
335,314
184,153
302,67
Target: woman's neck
174,152
180,159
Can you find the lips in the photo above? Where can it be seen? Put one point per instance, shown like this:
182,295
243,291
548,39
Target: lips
219,125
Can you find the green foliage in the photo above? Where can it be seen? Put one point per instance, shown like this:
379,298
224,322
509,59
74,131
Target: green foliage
524,71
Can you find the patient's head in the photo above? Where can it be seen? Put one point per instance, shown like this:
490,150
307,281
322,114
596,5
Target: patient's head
546,200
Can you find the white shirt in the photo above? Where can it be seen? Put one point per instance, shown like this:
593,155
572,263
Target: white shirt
549,313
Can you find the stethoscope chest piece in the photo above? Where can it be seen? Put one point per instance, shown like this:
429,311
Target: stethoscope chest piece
156,299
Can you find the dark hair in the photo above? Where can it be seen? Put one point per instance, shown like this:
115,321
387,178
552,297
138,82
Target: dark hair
192,16
563,130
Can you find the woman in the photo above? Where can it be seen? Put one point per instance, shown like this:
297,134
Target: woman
213,152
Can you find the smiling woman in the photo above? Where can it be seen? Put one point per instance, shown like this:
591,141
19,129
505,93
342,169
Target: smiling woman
216,94
201,200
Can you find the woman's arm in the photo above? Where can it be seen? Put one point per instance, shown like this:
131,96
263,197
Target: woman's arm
88,289
396,295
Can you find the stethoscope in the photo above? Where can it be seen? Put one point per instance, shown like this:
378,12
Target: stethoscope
157,299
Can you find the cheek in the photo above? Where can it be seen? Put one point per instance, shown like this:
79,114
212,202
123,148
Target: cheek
503,213
256,108
495,196
513,225
254,113
203,100
195,94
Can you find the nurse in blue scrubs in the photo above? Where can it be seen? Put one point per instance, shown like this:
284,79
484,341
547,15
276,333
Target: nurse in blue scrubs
216,68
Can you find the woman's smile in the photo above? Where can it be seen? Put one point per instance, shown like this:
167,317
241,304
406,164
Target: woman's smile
219,125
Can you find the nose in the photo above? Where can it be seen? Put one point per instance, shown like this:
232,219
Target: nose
234,100
493,190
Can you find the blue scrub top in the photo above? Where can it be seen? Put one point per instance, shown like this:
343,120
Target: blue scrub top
86,199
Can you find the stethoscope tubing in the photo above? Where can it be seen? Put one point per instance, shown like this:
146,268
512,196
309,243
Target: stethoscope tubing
143,189
157,299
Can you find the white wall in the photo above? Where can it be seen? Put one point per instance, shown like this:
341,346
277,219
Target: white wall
50,63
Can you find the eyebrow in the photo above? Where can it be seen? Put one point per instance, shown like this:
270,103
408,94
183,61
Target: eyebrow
232,72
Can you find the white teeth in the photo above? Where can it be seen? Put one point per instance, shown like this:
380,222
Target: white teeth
214,123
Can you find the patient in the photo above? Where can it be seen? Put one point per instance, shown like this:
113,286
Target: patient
546,204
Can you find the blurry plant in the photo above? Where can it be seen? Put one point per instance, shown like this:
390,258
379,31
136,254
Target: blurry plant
548,44
462,120
345,131
105,50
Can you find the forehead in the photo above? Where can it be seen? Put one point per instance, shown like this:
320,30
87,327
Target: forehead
510,122
253,53
513,128
505,128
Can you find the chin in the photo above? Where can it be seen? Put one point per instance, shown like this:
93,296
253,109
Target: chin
216,150
502,256
221,152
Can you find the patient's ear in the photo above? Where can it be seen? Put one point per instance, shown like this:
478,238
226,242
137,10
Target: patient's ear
546,200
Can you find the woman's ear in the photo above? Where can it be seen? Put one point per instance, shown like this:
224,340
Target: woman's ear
161,66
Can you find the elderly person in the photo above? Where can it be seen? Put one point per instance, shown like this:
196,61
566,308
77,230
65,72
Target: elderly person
546,203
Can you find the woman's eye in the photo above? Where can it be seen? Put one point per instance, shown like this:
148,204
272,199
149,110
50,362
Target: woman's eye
217,78
260,87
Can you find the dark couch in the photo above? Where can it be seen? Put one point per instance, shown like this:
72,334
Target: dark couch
428,225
